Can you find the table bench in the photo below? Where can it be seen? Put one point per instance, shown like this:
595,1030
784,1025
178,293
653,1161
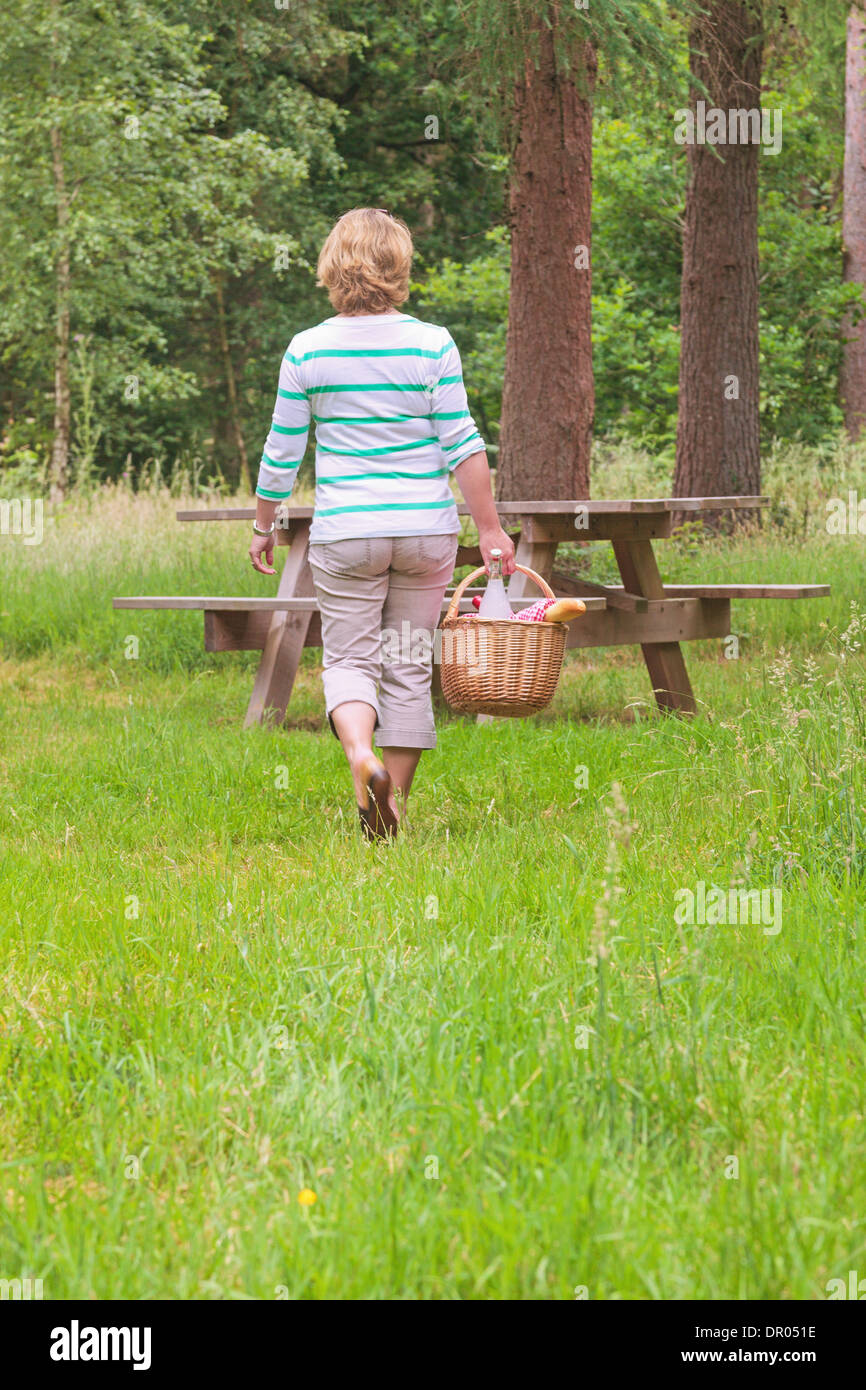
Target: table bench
641,611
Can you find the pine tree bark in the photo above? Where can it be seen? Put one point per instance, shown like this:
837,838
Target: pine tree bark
548,399
853,374
718,433
59,467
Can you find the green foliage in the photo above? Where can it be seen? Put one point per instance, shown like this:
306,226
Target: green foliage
209,150
499,38
638,201
803,297
167,190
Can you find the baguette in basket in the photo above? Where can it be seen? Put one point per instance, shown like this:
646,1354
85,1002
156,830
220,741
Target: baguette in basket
546,610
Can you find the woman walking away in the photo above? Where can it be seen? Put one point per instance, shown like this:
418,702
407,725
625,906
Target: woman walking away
392,424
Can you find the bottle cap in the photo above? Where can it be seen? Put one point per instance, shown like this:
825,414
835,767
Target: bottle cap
496,554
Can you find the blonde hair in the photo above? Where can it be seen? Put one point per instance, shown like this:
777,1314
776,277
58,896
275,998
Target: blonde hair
365,262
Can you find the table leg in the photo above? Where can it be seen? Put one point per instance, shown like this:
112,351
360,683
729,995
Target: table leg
286,637
664,660
537,555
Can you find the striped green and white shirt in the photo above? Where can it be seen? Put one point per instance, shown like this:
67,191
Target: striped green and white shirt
386,395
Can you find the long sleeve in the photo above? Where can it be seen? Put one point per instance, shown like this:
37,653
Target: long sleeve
458,434
287,440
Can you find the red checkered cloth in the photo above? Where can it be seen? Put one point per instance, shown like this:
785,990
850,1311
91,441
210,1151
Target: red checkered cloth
536,611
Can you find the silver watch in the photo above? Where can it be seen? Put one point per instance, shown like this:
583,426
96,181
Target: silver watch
269,532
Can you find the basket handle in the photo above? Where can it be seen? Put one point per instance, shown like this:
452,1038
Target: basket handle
458,592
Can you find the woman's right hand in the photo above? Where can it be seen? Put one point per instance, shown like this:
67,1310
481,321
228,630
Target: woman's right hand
262,546
497,539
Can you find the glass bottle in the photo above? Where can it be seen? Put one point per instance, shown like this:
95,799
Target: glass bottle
494,603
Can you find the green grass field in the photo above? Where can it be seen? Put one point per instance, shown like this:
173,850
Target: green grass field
502,1065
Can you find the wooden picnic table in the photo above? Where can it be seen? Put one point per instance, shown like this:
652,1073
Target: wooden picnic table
642,611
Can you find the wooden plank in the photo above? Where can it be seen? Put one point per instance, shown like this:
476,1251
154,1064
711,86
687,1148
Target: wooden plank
232,631
683,620
286,519
748,590
717,504
664,660
538,529
285,640
246,630
621,506
225,605
628,505
614,595
285,534
235,632
564,509
285,605
217,514
666,623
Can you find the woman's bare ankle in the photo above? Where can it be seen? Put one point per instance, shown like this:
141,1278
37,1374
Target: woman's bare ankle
356,758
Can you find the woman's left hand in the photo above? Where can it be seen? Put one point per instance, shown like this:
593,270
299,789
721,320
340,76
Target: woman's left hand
262,546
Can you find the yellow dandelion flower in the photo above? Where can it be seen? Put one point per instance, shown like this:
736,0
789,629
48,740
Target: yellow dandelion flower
307,1197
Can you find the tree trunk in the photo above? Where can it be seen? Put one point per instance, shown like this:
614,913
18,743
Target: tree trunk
548,398
718,434
59,470
853,375
244,481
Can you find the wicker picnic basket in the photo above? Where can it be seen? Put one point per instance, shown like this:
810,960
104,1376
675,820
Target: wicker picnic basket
498,665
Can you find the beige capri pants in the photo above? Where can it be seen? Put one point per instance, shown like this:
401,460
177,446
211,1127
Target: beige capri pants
380,600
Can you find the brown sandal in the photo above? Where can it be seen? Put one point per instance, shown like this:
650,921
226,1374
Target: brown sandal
378,821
